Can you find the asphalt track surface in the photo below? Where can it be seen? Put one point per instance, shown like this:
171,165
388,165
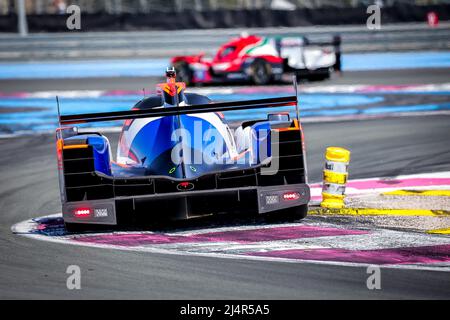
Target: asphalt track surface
36,269
379,77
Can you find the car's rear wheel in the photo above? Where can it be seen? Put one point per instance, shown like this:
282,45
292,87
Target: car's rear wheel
74,227
85,227
323,75
291,214
184,72
261,72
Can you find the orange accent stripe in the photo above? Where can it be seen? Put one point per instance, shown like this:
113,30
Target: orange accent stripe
180,86
168,90
170,87
295,127
59,152
59,144
76,146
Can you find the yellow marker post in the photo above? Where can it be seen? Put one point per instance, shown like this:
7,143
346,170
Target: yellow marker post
335,176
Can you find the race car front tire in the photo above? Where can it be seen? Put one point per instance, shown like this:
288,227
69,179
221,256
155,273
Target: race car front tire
261,72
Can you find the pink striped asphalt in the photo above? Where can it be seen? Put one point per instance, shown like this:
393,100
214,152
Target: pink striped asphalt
237,236
393,183
398,183
409,255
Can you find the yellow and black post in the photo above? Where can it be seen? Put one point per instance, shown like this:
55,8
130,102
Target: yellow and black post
335,176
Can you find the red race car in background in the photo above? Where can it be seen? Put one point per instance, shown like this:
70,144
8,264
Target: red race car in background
261,60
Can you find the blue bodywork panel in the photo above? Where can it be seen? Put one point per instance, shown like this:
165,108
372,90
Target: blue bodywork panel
100,147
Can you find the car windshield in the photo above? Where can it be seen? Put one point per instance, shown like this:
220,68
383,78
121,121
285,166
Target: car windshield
226,51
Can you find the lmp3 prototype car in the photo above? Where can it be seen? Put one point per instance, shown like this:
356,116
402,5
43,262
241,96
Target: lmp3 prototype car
177,158
261,60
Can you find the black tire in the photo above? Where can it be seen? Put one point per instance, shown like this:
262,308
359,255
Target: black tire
261,72
320,76
184,73
301,78
74,227
84,227
290,214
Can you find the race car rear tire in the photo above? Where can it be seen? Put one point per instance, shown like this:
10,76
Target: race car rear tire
320,76
74,227
294,213
83,227
261,72
184,73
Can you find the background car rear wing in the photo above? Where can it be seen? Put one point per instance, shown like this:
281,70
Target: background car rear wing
304,41
161,112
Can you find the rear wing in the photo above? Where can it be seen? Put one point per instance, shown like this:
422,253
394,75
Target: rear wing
191,109
303,41
335,41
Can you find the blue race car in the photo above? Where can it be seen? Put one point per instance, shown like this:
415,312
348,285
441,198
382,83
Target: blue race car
178,158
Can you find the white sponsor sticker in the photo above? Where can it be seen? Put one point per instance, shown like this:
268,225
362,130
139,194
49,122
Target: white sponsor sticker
100,213
341,167
333,188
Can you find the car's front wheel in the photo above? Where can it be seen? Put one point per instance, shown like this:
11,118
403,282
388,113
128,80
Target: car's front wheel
261,72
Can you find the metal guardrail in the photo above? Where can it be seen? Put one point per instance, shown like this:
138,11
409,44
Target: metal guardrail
161,44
